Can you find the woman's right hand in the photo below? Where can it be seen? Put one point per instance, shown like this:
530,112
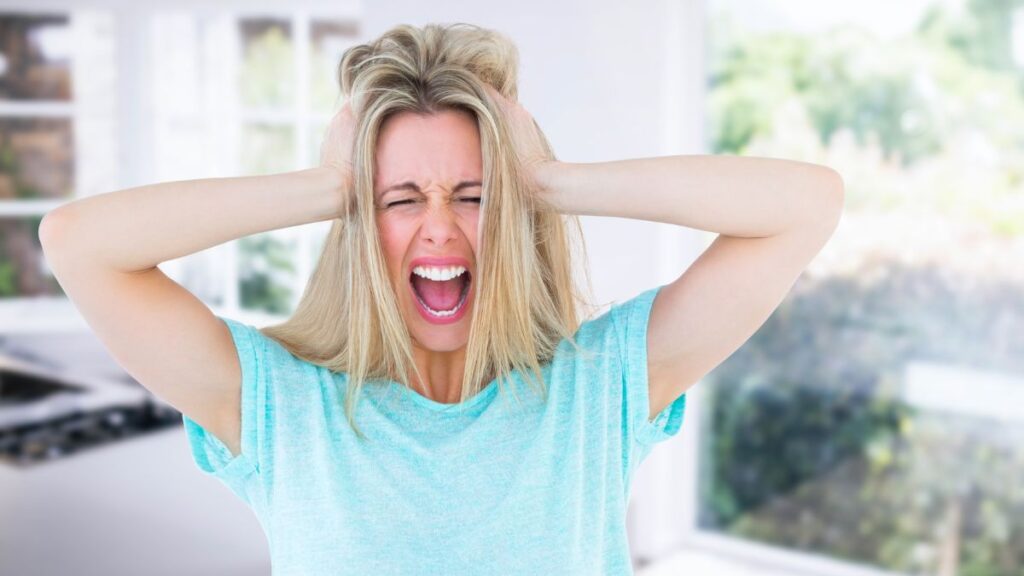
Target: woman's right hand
336,148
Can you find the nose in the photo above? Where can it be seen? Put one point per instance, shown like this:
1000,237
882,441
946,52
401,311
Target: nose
440,222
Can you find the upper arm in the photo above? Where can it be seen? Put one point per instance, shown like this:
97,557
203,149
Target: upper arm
709,311
159,332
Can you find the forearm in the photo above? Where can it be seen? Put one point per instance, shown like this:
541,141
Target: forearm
138,228
732,195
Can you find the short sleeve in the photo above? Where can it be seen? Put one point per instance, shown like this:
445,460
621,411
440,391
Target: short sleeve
630,321
210,454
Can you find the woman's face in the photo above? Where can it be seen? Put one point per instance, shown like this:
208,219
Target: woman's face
427,187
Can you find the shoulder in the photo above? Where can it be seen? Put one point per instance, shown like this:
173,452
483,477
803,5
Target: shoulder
620,324
272,367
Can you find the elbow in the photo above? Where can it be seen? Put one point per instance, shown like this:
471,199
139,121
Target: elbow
836,184
50,227
836,193
47,229
829,199
54,235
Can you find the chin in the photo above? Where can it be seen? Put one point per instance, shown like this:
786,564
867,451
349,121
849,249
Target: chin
436,337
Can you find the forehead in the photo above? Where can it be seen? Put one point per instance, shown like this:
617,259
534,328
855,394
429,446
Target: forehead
441,148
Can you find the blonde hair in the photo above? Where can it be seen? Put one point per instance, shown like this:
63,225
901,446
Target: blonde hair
348,318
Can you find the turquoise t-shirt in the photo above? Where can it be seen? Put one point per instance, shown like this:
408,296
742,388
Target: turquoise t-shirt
496,488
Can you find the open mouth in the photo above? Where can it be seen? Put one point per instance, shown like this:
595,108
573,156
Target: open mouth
441,299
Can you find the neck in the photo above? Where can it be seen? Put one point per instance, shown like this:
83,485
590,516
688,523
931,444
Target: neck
442,372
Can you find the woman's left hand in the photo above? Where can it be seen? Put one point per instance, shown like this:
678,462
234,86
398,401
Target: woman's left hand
527,140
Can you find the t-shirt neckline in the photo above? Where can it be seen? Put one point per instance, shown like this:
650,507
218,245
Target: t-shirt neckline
481,396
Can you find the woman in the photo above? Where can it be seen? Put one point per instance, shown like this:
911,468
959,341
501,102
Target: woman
367,432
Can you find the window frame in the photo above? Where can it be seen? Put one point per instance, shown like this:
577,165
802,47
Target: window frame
29,314
136,161
666,487
299,118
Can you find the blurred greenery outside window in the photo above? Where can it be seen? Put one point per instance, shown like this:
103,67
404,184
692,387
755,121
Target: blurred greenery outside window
878,416
37,129
283,122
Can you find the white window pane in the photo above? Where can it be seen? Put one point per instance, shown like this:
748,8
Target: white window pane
96,106
179,87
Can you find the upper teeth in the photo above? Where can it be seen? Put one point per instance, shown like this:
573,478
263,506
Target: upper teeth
438,274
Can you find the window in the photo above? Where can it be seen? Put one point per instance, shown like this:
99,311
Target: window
247,94
54,131
92,101
876,417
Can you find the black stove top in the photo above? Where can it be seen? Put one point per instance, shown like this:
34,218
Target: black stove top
47,415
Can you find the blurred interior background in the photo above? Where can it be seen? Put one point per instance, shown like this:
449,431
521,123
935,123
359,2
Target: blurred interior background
874,425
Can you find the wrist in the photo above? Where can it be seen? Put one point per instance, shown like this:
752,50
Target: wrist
551,178
329,184
329,177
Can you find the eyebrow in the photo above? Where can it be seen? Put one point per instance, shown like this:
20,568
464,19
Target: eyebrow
410,185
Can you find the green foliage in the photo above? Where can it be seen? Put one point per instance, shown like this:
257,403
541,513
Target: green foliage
323,92
267,149
818,452
844,82
8,275
264,271
982,34
812,447
268,68
8,163
928,122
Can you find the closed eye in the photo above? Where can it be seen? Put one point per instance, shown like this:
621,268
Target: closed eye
475,199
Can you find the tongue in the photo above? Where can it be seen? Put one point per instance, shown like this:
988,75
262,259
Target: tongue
440,296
